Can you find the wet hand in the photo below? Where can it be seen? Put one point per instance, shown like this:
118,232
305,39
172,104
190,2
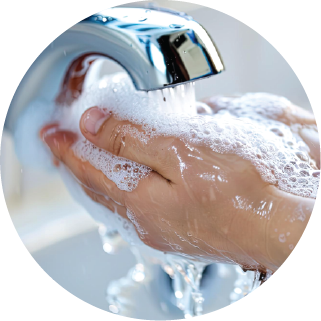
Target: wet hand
196,202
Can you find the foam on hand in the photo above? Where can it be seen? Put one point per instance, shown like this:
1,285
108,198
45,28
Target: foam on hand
274,148
123,172
247,126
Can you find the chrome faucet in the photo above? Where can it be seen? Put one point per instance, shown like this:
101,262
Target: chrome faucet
158,48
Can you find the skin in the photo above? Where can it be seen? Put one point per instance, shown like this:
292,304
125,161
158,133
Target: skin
234,217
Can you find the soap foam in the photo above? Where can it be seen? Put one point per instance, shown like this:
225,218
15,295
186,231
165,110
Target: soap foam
123,172
247,126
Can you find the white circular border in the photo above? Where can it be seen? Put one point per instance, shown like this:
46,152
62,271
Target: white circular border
27,28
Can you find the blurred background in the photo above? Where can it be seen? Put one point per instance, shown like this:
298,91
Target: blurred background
61,236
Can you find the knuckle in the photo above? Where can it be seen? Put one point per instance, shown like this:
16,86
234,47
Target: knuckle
116,140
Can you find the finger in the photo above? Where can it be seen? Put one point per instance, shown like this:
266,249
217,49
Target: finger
60,144
127,140
311,138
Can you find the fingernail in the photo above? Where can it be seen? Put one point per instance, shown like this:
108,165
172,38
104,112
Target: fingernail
48,130
94,118
57,138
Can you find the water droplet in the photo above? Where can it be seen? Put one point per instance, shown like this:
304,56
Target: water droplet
178,294
113,308
238,290
176,26
104,19
108,248
138,274
282,238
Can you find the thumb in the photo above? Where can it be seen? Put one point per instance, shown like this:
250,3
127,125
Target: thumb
124,139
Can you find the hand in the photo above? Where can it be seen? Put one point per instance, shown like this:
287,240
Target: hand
216,209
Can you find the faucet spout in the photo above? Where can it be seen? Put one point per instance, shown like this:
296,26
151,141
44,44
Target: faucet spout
157,48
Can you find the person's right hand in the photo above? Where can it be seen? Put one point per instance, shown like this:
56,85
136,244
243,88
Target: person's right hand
194,202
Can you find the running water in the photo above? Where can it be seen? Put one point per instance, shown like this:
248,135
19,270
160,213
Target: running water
247,126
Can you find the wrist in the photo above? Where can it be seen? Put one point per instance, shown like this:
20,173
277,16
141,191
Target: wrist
268,237
286,226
